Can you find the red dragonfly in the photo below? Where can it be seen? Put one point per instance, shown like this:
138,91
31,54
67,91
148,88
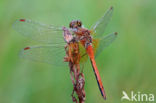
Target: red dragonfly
52,40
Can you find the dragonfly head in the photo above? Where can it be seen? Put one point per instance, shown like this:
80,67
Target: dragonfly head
75,24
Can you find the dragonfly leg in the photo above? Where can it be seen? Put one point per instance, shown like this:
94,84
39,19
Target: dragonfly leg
66,58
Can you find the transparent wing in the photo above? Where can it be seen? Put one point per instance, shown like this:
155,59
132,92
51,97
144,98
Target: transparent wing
98,46
40,32
47,54
100,25
83,54
103,42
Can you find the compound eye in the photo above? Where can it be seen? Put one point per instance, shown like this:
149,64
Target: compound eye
71,25
79,23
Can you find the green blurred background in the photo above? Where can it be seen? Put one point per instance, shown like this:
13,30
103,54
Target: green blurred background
129,64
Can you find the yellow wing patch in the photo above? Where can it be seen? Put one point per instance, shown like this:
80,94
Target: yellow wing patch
95,44
83,54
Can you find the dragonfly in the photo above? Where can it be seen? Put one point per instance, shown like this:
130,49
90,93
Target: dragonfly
52,40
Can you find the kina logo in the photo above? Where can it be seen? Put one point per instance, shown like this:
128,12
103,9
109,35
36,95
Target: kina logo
138,96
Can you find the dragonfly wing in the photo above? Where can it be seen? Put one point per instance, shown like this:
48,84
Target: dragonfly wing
40,32
100,25
104,42
83,54
48,54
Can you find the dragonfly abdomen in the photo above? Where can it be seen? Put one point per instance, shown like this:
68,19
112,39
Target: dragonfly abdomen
90,52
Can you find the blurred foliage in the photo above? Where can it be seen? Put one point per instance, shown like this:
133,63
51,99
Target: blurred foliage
128,64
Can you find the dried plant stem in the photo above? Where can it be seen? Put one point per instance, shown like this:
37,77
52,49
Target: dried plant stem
78,83
77,77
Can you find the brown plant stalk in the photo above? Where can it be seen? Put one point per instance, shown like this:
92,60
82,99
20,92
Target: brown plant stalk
77,77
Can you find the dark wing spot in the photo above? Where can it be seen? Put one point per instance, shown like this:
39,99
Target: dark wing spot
26,48
111,7
116,33
23,20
